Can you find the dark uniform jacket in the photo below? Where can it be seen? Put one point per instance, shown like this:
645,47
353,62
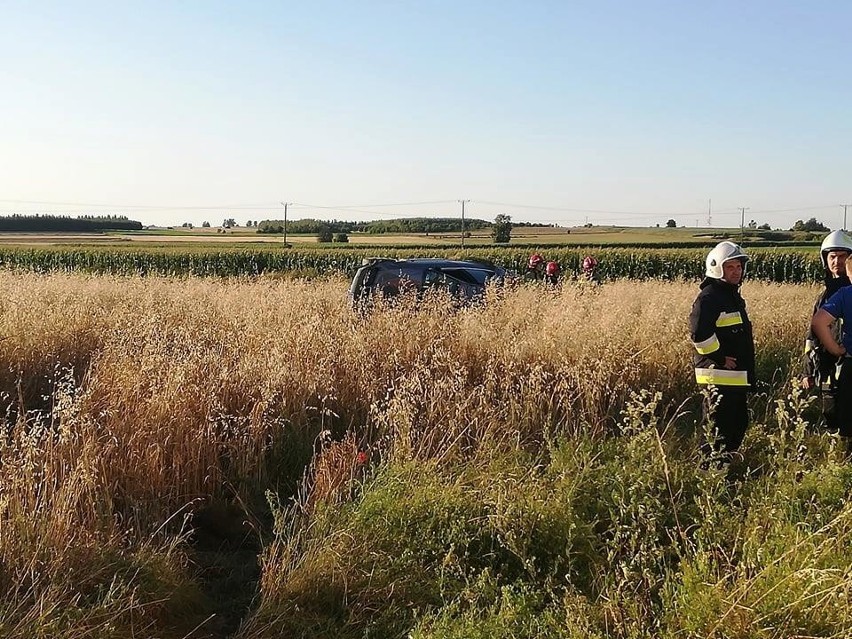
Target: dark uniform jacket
720,328
534,275
818,362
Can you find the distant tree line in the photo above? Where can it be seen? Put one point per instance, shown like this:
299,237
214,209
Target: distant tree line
307,226
403,225
425,225
65,224
539,225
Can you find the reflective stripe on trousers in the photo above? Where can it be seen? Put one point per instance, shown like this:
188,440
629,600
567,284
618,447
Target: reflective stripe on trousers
721,377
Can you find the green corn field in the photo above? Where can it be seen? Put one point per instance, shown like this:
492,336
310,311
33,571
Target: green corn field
766,264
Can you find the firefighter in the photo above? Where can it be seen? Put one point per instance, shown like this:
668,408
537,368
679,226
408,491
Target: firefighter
551,273
839,307
818,364
724,345
535,268
589,266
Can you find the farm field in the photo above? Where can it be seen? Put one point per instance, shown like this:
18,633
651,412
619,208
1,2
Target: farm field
524,236
538,235
101,239
789,264
247,458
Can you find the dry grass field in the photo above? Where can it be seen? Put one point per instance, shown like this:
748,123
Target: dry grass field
150,422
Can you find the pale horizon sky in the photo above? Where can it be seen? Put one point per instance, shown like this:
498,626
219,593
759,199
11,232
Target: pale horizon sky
626,113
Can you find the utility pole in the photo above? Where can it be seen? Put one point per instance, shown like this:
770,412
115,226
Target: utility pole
743,209
286,204
709,209
844,214
462,203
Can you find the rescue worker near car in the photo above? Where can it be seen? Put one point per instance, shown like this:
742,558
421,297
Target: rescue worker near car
818,364
589,266
551,273
535,269
839,307
724,344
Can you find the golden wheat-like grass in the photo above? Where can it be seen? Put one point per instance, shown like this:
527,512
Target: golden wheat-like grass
128,399
176,379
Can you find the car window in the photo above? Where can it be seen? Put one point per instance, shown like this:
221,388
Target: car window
432,277
462,288
392,281
383,277
413,273
471,276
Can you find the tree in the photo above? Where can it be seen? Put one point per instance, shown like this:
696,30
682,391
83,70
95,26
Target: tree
249,223
811,225
765,227
501,230
752,224
341,237
671,224
228,223
325,234
205,224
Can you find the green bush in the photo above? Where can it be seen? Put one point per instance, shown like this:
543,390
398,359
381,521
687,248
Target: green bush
623,535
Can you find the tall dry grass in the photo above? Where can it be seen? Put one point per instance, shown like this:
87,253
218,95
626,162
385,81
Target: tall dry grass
131,403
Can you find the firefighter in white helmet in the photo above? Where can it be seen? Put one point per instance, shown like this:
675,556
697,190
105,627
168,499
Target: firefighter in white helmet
819,370
724,345
839,307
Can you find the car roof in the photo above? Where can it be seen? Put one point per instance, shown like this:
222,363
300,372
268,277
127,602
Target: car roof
435,262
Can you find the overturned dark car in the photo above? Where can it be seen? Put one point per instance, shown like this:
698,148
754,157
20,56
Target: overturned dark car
465,281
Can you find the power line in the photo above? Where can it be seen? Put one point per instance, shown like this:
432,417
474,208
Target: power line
844,214
462,221
248,207
364,206
286,204
444,215
654,214
361,211
798,208
612,216
743,209
574,210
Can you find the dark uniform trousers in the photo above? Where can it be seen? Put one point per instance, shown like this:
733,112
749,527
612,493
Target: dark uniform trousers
730,418
843,399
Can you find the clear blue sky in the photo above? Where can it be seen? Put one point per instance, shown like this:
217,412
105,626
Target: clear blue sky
617,112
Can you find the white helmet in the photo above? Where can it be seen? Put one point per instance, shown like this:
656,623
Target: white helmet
720,254
834,241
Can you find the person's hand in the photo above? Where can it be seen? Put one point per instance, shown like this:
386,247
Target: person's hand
730,362
807,383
